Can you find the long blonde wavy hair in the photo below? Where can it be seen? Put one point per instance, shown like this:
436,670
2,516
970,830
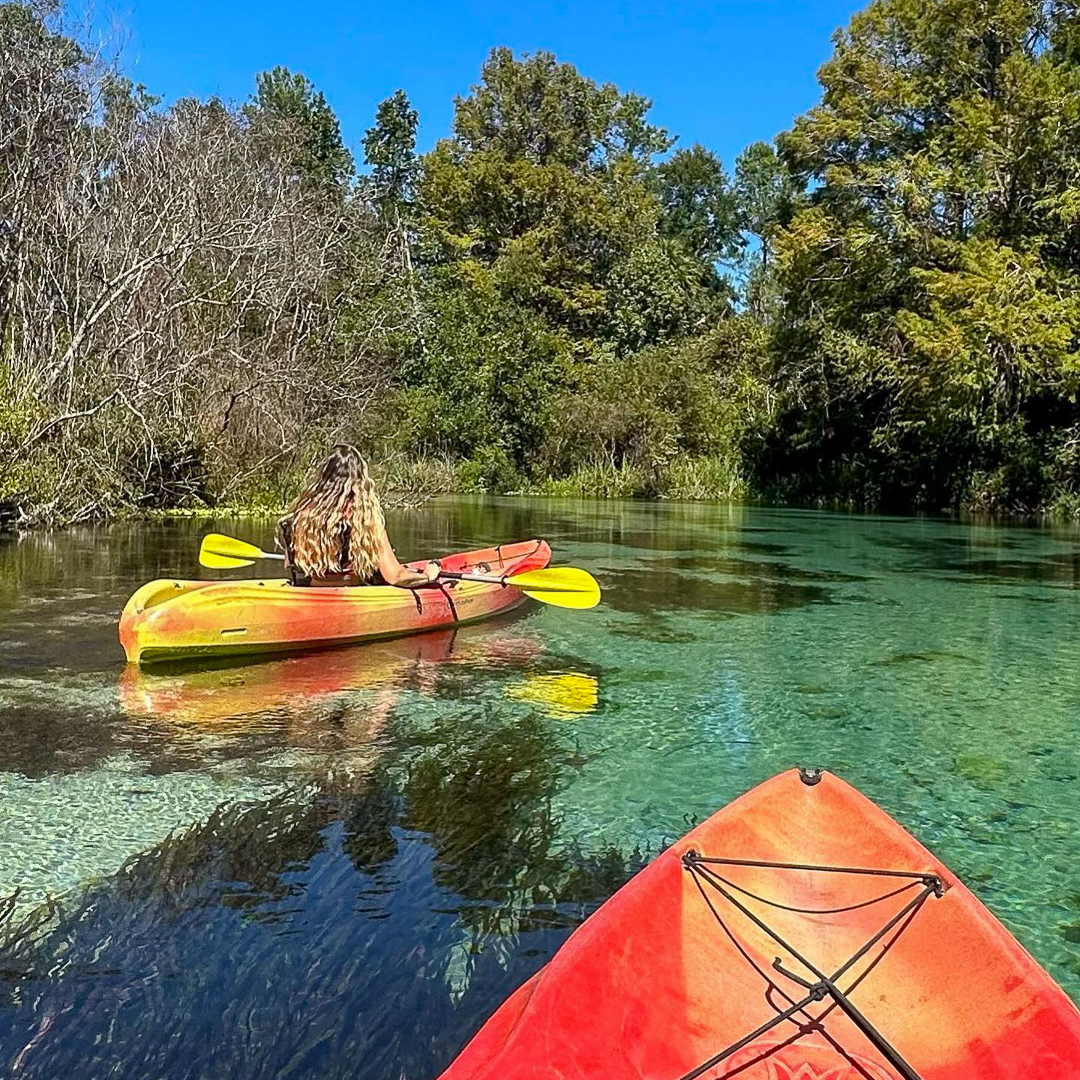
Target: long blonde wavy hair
339,502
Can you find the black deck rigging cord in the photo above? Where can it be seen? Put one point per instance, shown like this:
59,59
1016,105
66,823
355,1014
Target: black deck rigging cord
701,869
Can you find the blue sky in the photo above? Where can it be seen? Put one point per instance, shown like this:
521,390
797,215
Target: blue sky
723,73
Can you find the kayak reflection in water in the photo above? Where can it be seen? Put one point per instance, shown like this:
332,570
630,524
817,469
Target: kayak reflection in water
306,687
334,532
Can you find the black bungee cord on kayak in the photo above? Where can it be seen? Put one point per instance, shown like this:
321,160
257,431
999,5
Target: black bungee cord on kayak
702,870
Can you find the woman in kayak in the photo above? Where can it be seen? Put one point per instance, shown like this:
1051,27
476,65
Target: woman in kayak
334,532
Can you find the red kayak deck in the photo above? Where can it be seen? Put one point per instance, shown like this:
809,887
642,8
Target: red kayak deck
674,976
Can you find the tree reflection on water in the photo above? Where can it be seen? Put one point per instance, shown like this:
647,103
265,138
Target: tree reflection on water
360,926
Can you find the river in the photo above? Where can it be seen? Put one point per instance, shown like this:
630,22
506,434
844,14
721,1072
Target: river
337,864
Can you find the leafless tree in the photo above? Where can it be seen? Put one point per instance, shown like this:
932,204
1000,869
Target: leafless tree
181,312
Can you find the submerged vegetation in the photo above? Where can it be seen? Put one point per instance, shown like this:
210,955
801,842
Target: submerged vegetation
310,962
878,308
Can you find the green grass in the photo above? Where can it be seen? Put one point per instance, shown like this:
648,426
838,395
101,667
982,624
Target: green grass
704,479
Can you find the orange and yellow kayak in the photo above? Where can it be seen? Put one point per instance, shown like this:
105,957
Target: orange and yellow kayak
798,934
177,620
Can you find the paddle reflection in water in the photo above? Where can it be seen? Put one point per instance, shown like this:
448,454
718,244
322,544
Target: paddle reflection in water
564,695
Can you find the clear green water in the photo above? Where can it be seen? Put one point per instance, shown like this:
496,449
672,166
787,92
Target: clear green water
448,807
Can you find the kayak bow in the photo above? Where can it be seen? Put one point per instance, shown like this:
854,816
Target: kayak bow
798,934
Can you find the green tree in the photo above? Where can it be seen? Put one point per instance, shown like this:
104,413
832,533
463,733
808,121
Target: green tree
998,328
484,392
290,101
546,113
554,244
929,290
547,190
700,209
659,292
390,151
767,196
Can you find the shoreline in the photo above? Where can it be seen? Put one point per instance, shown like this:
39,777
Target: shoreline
11,525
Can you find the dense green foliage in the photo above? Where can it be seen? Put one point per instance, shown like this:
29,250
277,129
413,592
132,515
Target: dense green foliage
880,308
926,350
556,247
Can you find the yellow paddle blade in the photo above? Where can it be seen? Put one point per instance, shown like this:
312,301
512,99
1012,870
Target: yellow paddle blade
565,695
220,552
562,586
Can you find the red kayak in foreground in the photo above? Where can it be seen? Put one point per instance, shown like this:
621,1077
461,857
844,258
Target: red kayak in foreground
798,934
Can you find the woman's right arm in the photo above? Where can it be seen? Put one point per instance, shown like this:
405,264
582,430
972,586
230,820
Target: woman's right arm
393,573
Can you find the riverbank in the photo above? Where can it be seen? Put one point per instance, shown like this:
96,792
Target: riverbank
639,320
592,484
409,482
